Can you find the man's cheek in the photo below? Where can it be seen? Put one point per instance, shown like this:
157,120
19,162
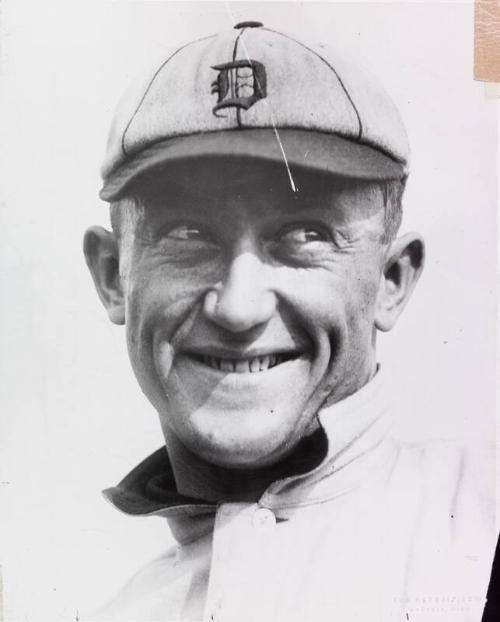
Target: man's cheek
137,304
359,321
364,293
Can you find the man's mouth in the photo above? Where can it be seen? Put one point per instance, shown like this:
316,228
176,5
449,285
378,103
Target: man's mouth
252,365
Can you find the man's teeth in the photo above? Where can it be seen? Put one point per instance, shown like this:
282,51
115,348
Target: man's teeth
244,366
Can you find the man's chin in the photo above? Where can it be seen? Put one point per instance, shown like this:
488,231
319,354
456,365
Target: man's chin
246,456
241,439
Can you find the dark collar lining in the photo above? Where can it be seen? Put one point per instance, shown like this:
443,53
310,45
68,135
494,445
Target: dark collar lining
150,487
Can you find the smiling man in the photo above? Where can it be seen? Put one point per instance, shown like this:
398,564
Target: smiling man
255,187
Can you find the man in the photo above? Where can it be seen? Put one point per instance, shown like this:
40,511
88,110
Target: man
255,185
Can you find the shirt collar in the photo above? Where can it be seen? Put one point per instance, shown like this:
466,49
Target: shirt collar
359,444
357,433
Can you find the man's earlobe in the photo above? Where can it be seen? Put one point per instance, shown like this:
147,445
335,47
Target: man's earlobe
102,257
404,264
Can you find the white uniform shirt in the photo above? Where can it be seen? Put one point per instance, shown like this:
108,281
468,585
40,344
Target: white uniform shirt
379,531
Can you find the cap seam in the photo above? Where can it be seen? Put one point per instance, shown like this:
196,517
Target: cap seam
344,88
235,52
150,84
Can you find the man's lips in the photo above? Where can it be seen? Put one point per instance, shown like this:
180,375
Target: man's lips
244,363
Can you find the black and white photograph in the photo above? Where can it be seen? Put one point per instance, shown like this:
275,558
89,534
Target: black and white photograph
248,344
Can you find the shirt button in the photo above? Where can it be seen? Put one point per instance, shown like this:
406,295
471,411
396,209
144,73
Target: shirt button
263,518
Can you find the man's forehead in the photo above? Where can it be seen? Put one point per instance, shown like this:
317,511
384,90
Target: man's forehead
219,182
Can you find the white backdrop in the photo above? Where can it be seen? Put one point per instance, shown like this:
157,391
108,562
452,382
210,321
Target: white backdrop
73,420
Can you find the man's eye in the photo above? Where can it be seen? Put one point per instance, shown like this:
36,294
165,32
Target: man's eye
186,232
303,235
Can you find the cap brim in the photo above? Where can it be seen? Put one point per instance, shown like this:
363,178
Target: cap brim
314,150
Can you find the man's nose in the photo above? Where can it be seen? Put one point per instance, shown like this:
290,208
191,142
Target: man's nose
243,300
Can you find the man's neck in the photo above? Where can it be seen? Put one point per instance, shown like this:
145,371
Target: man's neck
202,480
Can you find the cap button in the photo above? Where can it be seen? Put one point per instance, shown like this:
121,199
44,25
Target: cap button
249,25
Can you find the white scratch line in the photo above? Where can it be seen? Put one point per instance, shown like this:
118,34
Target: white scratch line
276,133
292,183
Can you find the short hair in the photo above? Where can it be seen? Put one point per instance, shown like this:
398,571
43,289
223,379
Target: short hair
126,213
392,193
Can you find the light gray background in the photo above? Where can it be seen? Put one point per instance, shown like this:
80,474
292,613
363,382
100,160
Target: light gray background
73,420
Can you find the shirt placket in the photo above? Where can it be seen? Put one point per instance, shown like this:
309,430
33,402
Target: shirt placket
244,544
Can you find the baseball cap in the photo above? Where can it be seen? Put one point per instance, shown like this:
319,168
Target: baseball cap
257,93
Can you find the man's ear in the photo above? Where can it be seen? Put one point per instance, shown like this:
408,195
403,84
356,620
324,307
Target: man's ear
102,256
402,269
